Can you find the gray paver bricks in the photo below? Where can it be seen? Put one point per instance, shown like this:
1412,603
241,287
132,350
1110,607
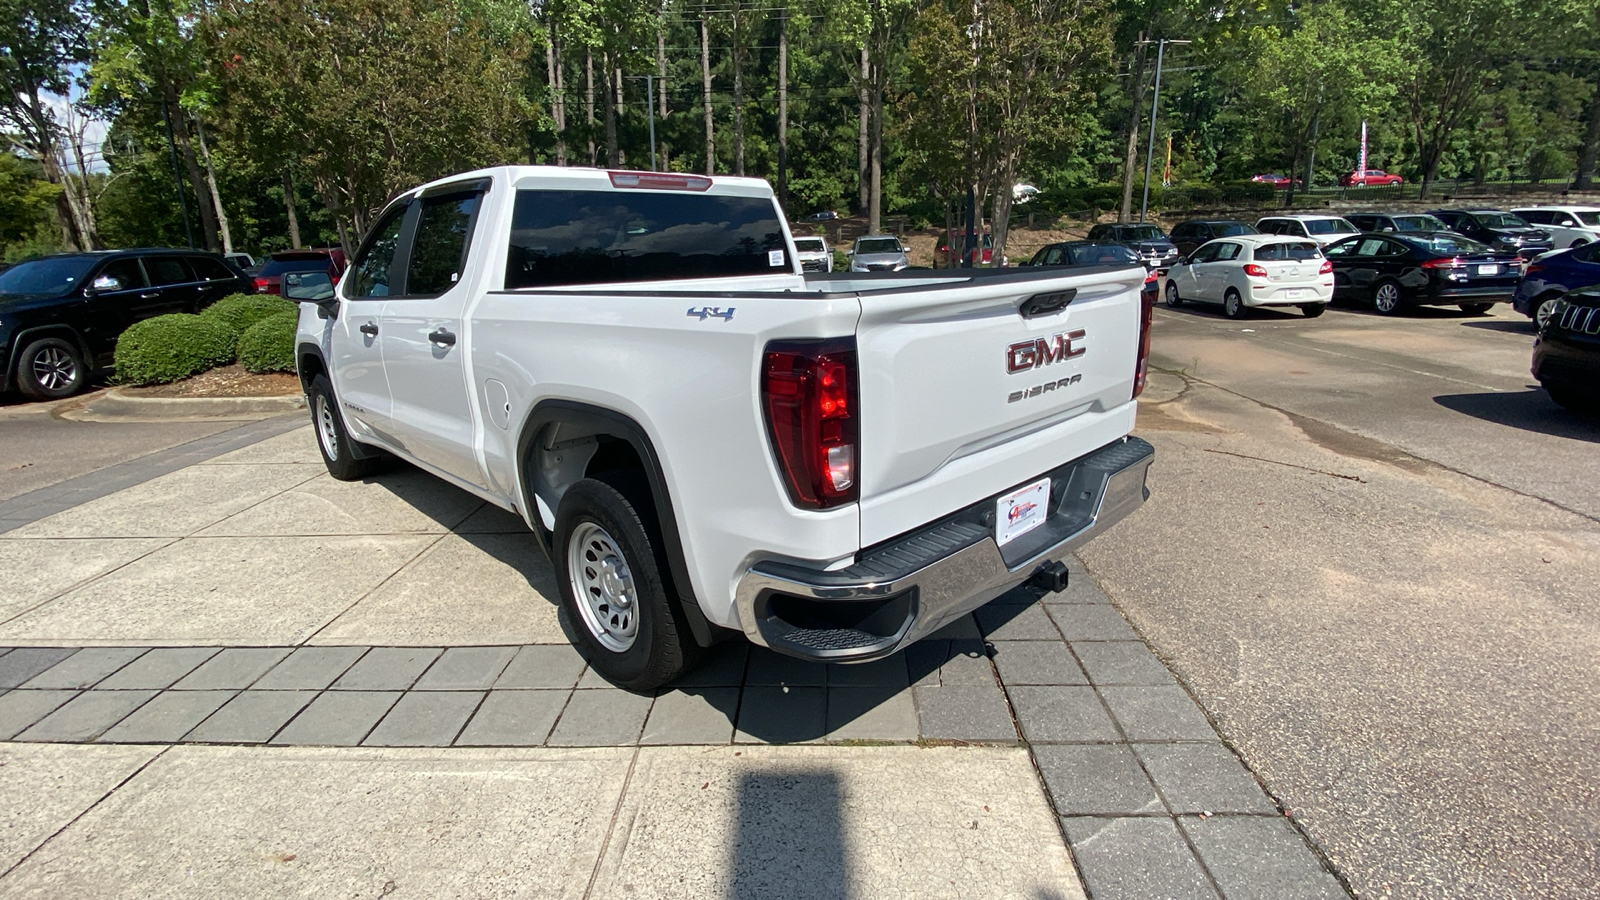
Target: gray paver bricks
425,719
962,629
167,717
520,718
1260,857
542,666
779,715
233,669
251,717
1090,622
338,718
1204,777
723,667
889,672
605,717
1135,859
593,680
693,716
1121,662
878,713
387,669
931,663
84,668
965,712
1080,589
86,716
466,669
20,709
767,667
309,669
1017,623
1062,713
1036,662
158,669
1096,779
1157,714
23,663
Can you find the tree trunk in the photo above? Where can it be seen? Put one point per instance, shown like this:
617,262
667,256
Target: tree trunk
558,100
208,216
1000,223
875,155
863,177
1130,158
1590,148
738,99
288,204
705,78
610,110
783,107
661,89
588,100
211,182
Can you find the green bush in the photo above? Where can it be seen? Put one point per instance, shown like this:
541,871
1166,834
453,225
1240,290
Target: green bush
268,345
240,311
167,348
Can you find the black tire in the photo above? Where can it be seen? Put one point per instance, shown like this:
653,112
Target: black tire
1574,401
1233,305
1173,300
1312,310
626,621
1387,297
333,438
1475,309
50,369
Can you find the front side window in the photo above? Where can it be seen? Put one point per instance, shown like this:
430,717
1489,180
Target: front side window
437,252
372,269
1227,251
575,237
1053,257
1205,254
123,275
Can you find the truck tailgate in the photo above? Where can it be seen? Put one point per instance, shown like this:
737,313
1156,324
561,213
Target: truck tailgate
963,396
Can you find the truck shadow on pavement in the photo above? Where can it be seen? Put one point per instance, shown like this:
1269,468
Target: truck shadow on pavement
1530,410
790,839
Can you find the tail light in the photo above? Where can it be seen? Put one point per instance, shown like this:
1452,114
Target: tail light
660,181
1445,262
1255,271
808,390
1326,268
265,286
1147,309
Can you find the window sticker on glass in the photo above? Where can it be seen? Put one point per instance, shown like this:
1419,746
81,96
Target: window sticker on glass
774,257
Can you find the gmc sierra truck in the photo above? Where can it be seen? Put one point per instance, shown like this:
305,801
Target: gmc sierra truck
708,442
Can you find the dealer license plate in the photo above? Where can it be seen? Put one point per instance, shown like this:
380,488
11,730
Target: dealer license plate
1021,511
1488,270
1295,293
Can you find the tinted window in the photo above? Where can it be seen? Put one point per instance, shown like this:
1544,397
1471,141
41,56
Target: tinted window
1591,219
1449,244
1098,232
308,262
878,245
1535,216
1205,254
51,277
441,243
1342,248
1052,257
1232,229
372,264
1140,233
1589,252
1182,231
593,237
167,270
127,272
1296,250
1419,223
1104,255
810,245
208,269
1499,220
1228,250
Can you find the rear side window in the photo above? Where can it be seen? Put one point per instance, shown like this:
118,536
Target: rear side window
210,269
1228,250
597,237
168,270
443,229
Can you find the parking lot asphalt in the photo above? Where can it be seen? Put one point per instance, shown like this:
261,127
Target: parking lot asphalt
1371,551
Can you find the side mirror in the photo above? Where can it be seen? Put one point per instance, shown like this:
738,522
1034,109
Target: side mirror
312,287
105,284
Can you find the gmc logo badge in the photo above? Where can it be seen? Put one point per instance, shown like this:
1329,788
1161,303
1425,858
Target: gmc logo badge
1032,354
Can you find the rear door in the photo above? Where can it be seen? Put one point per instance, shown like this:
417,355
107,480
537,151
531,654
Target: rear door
216,280
173,288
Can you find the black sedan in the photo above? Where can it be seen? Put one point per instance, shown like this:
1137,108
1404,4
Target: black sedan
1399,269
1566,354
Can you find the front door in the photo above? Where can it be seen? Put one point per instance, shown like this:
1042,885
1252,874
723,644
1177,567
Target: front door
359,381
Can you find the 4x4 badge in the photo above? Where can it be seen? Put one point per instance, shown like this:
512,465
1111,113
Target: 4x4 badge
707,312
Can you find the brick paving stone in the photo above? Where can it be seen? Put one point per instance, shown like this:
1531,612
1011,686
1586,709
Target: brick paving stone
1096,779
466,669
22,663
1036,662
1084,622
1022,595
309,669
1207,777
605,717
514,718
425,719
593,680
86,716
693,716
84,668
157,670
767,667
337,718
1121,662
1135,859
777,715
387,669
1017,623
1062,713
965,712
233,669
931,663
19,709
1158,714
876,713
167,717
723,666
962,629
1080,589
1260,857
889,672
543,666
251,717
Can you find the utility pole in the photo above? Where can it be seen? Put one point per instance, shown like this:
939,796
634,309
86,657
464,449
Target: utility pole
650,106
1155,104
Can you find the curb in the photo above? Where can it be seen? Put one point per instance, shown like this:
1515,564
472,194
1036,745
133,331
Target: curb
116,405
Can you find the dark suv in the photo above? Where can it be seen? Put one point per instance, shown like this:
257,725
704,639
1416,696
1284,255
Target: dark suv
1566,355
1500,230
1149,241
1191,234
60,315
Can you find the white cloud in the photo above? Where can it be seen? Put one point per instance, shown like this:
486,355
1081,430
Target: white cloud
71,119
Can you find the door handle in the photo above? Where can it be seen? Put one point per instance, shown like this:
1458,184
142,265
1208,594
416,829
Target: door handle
370,329
148,296
440,336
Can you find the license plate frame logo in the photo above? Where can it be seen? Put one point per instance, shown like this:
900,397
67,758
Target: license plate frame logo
1021,511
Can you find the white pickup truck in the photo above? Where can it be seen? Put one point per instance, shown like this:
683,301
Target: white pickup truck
708,442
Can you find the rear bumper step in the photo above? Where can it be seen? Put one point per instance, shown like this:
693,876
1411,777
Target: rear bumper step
908,587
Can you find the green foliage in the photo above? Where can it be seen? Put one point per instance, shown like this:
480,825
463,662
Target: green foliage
241,311
167,348
268,345
26,199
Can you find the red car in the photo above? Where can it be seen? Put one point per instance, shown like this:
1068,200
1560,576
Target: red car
1281,182
270,276
1371,177
941,252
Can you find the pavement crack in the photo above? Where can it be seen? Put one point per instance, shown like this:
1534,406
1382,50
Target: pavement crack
1278,462
611,827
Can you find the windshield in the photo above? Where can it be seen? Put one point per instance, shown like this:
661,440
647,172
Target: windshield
1419,223
1499,220
1329,226
51,277
878,245
1233,229
1104,255
302,264
1450,244
810,245
1141,233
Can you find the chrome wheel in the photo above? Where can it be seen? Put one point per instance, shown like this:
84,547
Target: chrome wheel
607,598
54,369
1546,309
327,429
1386,297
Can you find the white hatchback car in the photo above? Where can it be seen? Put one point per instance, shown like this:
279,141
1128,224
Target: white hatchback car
1322,229
1251,270
1569,226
